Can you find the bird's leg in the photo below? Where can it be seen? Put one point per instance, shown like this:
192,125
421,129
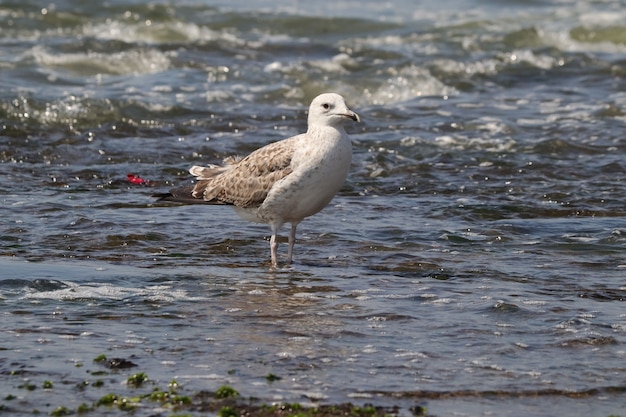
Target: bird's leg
273,250
292,241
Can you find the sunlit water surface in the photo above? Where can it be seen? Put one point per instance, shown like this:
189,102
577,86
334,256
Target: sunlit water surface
474,262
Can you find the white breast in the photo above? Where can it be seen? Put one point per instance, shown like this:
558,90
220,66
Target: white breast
320,167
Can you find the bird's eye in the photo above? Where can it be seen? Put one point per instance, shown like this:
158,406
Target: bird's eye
326,106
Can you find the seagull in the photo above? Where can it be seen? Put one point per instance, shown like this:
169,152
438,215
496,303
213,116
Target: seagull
282,182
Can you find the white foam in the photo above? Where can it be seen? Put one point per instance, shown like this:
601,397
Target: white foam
157,32
103,291
134,61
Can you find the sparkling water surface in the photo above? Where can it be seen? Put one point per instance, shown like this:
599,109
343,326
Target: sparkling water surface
474,262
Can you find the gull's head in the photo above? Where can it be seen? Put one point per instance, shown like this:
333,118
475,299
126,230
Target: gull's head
330,109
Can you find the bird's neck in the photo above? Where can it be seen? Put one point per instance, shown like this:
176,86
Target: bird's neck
326,129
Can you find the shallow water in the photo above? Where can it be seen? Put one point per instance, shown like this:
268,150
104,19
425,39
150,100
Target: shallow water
473,262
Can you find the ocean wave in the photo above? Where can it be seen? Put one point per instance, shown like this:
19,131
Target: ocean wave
130,62
107,292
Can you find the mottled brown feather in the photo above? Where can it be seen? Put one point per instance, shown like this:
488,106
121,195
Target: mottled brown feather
246,182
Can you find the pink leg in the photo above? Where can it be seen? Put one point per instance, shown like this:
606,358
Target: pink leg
292,241
273,250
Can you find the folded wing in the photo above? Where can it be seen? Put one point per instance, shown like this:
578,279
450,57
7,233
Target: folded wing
244,182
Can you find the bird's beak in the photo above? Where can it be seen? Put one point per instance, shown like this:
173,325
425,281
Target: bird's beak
352,116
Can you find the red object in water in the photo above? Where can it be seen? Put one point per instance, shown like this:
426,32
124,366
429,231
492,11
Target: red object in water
137,180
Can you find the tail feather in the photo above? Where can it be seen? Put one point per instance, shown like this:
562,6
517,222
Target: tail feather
183,195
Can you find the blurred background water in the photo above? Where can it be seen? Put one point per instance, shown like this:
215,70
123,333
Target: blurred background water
474,262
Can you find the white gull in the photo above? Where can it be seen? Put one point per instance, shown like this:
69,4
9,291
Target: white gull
285,181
